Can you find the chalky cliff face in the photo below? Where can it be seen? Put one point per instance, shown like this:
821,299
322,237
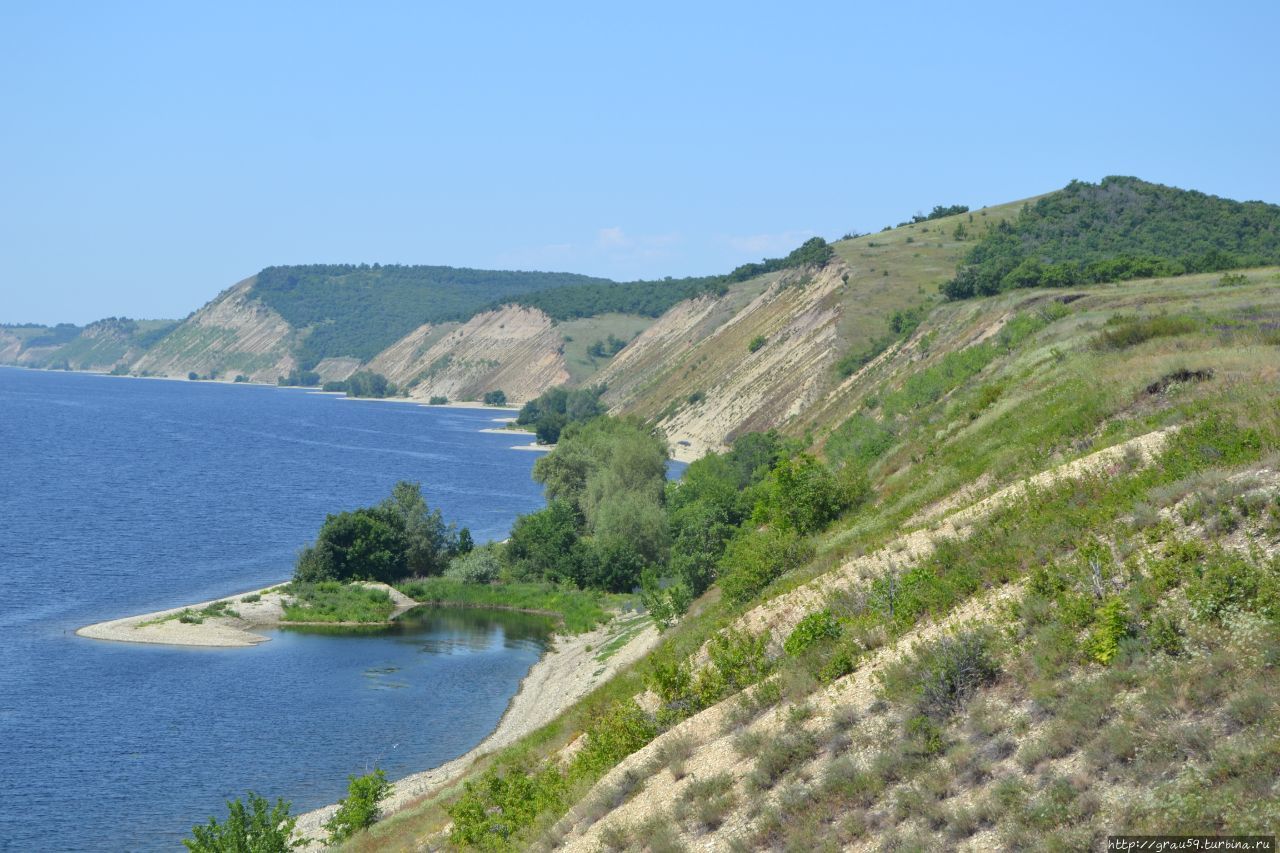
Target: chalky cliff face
515,349
234,334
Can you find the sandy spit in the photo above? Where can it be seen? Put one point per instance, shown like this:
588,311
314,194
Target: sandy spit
569,670
219,631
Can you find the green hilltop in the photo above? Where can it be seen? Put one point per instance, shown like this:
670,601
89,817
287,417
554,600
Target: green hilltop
1119,229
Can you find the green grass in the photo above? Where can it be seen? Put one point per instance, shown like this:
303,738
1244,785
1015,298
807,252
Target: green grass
578,610
626,630
578,336
330,601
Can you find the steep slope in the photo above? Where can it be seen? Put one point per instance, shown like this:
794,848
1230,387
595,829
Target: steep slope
234,334
31,345
108,344
111,344
1056,619
356,311
762,355
515,350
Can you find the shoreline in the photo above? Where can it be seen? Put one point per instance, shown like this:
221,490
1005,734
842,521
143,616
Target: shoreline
311,389
570,668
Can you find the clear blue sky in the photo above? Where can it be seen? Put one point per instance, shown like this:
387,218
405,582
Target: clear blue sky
153,154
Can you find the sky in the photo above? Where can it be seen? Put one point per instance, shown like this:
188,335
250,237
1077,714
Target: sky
153,154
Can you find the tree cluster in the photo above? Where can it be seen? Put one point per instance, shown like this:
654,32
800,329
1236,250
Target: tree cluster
814,252
398,538
556,408
364,383
302,378
605,522
1119,229
645,298
938,212
606,348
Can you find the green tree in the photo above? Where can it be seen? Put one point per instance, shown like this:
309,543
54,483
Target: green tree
262,828
495,398
802,495
755,558
430,543
544,544
359,808
359,545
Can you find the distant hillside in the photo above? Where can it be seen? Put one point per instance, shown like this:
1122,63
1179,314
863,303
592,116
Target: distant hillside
359,310
1119,229
103,345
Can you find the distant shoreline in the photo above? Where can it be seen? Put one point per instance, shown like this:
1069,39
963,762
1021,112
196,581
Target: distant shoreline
310,389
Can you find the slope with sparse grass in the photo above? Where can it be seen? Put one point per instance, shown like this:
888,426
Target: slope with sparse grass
1075,515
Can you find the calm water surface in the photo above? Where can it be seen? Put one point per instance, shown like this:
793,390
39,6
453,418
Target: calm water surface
120,496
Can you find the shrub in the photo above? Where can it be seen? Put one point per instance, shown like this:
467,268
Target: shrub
1122,333
674,751
754,558
260,829
811,630
756,343
616,733
1110,627
666,603
780,754
438,400
481,565
1227,580
359,808
738,660
707,801
251,598
939,676
495,398
330,601
500,804
801,494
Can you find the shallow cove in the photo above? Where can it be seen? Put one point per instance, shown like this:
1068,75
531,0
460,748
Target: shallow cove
122,496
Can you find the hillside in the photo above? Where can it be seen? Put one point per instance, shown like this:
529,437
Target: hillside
1121,228
695,373
234,334
1057,616
356,311
103,345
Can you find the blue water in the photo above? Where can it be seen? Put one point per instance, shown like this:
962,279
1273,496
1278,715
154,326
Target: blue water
120,496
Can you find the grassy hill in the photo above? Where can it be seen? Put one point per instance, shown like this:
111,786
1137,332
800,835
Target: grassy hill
1056,618
1121,228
